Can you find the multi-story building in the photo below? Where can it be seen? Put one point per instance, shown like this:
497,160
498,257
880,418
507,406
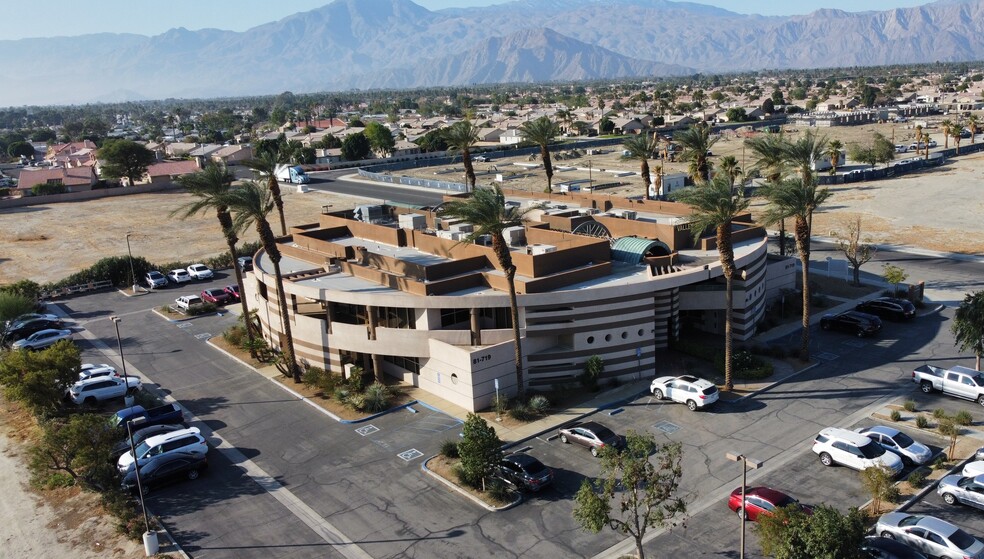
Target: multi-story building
396,291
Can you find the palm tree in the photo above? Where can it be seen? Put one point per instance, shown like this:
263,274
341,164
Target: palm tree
797,199
696,142
715,205
925,140
968,325
771,160
804,152
265,163
955,131
834,152
486,210
946,126
209,186
919,137
642,147
729,166
250,205
541,132
462,136
974,123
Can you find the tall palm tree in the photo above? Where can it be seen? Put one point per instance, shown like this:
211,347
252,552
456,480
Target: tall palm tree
250,205
715,205
834,152
798,200
729,166
804,152
925,140
919,137
770,160
946,126
955,132
265,163
486,210
696,142
462,136
541,132
209,186
974,123
641,147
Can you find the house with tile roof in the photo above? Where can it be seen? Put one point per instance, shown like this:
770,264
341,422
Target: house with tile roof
75,179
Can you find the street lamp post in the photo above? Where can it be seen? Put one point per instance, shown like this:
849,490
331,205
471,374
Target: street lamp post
133,276
590,182
746,464
151,546
127,398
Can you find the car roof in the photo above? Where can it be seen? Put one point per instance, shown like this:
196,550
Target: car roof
165,437
937,525
767,493
214,290
591,426
47,331
857,439
91,380
521,458
179,270
883,430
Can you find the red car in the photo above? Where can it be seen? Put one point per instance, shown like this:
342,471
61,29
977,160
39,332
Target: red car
216,296
762,501
233,292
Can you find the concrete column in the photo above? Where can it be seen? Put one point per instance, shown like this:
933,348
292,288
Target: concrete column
476,328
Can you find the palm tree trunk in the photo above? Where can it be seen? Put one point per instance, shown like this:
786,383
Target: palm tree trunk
782,237
469,170
285,321
242,300
279,202
514,312
547,167
646,180
802,245
727,255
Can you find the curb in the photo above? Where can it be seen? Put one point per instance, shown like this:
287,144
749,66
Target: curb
926,490
474,499
175,547
773,385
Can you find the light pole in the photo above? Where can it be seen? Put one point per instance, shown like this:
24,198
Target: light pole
127,398
590,182
133,276
151,546
746,464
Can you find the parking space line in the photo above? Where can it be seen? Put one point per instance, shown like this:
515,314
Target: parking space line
411,454
367,430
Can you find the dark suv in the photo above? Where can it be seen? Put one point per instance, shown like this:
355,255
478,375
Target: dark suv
853,322
525,472
889,308
20,330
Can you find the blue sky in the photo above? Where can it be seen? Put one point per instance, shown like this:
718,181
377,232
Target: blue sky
70,17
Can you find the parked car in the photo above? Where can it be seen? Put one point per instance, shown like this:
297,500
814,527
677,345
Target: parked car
889,308
89,370
962,490
216,296
930,535
853,322
141,435
179,276
164,469
898,442
973,469
42,339
184,440
592,435
160,415
31,316
155,279
233,292
199,272
186,302
24,328
877,547
686,389
958,381
762,501
245,263
525,472
91,390
847,448
481,159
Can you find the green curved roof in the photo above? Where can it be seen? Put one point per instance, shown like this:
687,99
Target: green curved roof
631,250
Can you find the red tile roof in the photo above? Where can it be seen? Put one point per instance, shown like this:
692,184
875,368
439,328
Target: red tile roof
77,176
172,168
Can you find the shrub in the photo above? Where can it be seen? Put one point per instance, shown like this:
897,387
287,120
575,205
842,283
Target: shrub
497,490
964,418
480,450
939,413
313,376
922,422
129,521
877,482
204,308
940,463
521,412
909,405
593,368
357,381
896,415
500,404
235,335
917,478
356,401
449,448
376,398
341,394
539,404
329,382
744,365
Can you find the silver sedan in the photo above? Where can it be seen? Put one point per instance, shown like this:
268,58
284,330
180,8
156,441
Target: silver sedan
929,535
963,490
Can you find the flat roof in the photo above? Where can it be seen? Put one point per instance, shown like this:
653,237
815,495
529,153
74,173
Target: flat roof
409,254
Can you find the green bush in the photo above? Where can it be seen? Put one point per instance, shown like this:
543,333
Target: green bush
521,412
921,421
744,364
896,415
940,463
449,448
356,401
313,377
497,489
235,335
539,404
329,382
46,189
342,394
917,478
593,368
500,404
909,405
129,520
5,191
204,308
939,413
357,381
376,398
964,418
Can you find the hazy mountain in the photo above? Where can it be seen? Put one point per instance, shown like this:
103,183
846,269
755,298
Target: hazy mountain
396,43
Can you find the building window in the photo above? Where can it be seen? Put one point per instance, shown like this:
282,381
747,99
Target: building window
397,317
451,318
411,364
349,314
500,317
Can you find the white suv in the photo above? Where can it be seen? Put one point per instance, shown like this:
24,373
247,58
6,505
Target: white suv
853,450
98,389
186,302
199,272
686,389
184,440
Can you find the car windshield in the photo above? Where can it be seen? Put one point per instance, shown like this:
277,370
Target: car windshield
155,275
909,521
962,539
871,450
142,449
710,390
903,440
534,467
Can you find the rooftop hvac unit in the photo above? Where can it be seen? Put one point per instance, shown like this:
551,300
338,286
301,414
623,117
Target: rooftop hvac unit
514,236
451,235
333,268
463,227
413,221
589,211
368,214
629,214
540,249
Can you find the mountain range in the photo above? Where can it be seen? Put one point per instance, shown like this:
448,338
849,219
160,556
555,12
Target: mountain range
398,44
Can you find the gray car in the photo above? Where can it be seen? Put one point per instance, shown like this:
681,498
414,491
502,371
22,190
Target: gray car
930,535
963,490
898,442
43,339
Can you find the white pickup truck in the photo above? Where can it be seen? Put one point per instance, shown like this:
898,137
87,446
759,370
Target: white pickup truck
962,382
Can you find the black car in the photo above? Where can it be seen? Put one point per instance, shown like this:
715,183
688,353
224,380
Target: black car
889,308
166,468
886,548
853,322
525,472
139,436
245,263
23,329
